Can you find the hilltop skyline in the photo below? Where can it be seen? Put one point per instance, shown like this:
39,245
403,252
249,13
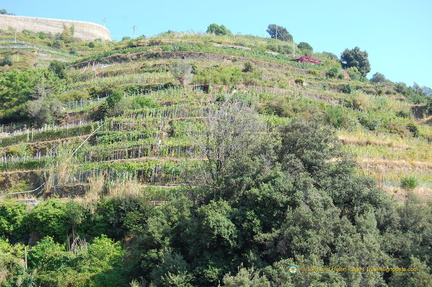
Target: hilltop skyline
393,33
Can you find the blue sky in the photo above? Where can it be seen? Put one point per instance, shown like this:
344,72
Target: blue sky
396,34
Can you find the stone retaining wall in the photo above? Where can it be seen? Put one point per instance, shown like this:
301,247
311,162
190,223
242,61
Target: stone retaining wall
84,30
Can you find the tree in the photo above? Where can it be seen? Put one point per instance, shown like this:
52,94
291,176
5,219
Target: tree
356,58
229,145
378,78
218,30
279,33
182,72
5,12
305,47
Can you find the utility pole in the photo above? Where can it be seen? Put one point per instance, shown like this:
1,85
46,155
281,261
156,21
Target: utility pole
294,48
134,30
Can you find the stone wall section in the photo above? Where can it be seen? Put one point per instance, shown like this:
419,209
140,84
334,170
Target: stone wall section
85,30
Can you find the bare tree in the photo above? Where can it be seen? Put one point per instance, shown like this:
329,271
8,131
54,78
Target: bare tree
182,72
230,147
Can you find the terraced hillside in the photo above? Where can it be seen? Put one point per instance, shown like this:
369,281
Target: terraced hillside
128,118
203,160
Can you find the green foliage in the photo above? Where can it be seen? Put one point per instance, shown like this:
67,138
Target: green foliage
336,117
172,271
299,81
5,12
7,60
13,271
356,58
280,48
262,191
330,56
246,278
49,218
305,48
21,87
219,75
93,264
378,78
314,72
58,68
144,102
248,67
114,98
370,121
279,33
333,72
44,110
409,183
12,220
228,145
218,30
119,216
414,129
347,89
354,73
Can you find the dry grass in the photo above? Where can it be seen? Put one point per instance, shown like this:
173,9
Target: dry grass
93,196
125,188
424,194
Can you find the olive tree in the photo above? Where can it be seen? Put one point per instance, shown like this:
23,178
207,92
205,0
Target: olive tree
182,72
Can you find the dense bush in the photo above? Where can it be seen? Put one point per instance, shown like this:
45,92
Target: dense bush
218,30
409,183
333,72
347,89
305,48
354,73
378,78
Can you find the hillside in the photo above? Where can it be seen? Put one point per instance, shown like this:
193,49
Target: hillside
200,160
380,126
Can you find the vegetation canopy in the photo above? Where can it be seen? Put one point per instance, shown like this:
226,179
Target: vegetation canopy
208,159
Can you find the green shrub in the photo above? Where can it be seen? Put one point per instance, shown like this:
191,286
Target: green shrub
414,129
248,67
404,114
299,81
114,97
74,95
97,92
347,89
409,183
144,102
314,72
335,116
333,72
370,121
7,60
354,73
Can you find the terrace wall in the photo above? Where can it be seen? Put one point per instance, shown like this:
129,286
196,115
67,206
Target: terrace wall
84,30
